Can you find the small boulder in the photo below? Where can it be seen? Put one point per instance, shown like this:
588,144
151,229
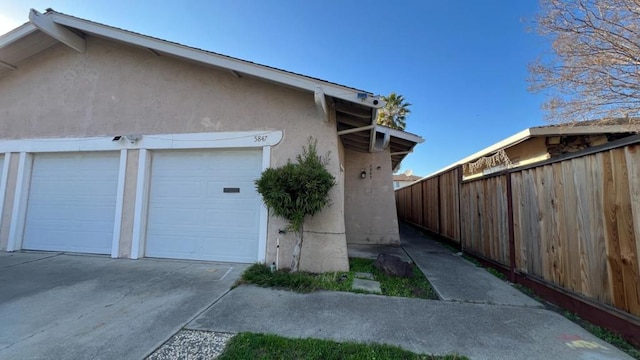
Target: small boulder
393,266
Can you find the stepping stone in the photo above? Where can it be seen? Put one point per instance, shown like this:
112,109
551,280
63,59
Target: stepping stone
364,275
366,285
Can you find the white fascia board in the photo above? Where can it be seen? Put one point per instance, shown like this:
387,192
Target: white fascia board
214,140
400,134
583,130
239,66
16,34
46,24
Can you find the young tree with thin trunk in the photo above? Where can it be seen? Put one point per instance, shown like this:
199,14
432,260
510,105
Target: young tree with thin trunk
297,190
593,70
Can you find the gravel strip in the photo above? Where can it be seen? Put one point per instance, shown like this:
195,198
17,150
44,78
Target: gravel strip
190,344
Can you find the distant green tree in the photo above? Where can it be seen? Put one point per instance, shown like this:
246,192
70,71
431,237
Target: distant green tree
394,113
296,190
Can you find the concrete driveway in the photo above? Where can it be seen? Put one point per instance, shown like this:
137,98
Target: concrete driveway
64,306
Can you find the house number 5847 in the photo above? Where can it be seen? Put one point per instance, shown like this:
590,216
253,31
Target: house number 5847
260,138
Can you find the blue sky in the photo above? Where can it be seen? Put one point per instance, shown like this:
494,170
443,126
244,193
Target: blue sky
462,64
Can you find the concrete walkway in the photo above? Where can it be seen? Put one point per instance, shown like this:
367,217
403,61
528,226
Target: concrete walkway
456,279
480,316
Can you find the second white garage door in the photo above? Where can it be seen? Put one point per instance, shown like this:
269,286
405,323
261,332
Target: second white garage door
203,205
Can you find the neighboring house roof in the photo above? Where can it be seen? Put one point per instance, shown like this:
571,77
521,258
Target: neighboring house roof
573,129
356,109
403,177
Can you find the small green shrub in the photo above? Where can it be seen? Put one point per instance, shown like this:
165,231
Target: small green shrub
296,190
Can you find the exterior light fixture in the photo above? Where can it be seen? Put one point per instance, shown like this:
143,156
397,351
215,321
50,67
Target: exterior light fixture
363,174
133,138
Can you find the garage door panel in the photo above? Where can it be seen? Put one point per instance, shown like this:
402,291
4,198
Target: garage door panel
231,218
190,215
177,216
170,188
86,215
71,204
77,226
59,241
197,248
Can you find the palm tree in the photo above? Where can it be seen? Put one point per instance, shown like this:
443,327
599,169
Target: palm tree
395,112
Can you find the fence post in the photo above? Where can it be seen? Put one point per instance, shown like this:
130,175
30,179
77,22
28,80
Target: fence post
459,184
422,222
439,209
512,241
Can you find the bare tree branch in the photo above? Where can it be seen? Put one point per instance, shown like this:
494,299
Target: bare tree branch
593,71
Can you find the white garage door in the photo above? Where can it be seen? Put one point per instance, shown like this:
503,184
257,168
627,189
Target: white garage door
203,205
72,201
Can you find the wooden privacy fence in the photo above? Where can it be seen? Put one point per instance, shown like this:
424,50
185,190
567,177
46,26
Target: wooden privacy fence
572,223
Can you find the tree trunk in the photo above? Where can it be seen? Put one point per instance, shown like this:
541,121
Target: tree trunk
297,251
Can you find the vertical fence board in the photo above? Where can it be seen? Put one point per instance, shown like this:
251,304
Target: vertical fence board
540,200
632,155
416,205
626,231
534,255
611,239
599,261
517,203
559,226
581,180
571,227
464,216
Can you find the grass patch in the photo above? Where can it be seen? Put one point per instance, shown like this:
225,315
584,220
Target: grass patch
261,275
496,273
416,287
257,346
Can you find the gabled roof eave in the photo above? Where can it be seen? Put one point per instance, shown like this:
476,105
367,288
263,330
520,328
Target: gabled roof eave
17,34
228,63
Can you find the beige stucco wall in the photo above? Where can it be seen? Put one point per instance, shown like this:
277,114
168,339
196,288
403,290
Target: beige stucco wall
528,152
114,89
370,213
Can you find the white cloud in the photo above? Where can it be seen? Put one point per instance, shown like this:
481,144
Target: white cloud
8,23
